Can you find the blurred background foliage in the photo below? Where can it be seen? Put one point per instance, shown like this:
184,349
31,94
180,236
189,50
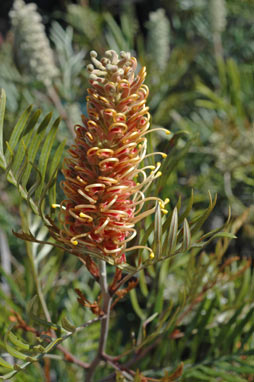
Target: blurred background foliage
199,57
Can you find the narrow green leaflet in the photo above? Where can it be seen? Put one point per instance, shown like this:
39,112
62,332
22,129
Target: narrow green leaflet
5,364
2,112
135,305
15,353
33,148
44,157
53,344
201,219
21,161
157,232
53,171
25,142
14,288
17,342
17,131
116,31
67,325
186,235
172,236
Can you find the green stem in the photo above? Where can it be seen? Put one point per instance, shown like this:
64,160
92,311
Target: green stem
106,298
37,284
34,270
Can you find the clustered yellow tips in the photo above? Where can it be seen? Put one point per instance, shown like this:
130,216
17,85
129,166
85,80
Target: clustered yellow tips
104,182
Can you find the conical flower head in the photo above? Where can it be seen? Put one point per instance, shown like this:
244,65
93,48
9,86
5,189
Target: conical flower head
31,45
158,41
104,202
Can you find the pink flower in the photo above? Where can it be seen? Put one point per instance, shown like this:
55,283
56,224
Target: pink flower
104,201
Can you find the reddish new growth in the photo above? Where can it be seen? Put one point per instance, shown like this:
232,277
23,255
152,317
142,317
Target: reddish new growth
104,202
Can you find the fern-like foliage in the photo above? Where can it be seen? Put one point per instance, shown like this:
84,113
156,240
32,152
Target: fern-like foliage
27,157
24,353
27,161
70,63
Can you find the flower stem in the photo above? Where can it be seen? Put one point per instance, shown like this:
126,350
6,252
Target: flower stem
106,300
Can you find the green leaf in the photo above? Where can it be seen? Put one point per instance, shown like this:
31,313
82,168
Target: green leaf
201,327
201,219
48,324
119,377
135,305
34,147
25,141
196,376
16,341
138,377
216,230
5,364
116,31
221,339
157,232
6,377
142,283
15,353
14,288
186,236
44,157
240,368
172,236
67,325
239,328
202,244
2,112
18,130
53,168
53,344
235,86
214,372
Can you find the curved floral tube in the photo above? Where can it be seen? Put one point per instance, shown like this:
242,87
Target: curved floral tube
104,200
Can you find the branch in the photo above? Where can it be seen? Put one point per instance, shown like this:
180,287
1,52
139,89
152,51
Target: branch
71,358
58,104
124,280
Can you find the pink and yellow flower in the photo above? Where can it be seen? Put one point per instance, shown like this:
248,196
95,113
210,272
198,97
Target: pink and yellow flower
104,200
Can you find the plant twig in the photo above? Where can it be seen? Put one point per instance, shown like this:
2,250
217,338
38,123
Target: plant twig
68,356
124,280
58,104
124,373
47,369
106,298
71,358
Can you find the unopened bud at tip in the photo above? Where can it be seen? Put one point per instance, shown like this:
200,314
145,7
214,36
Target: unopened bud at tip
93,53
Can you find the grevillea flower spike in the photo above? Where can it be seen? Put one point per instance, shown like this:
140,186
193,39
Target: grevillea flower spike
104,200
